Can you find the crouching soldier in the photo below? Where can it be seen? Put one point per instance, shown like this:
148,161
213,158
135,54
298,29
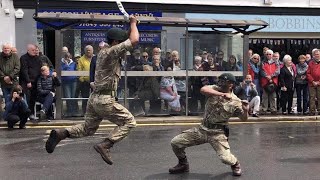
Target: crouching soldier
221,104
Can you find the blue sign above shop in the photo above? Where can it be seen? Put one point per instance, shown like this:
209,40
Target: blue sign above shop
150,38
93,36
101,25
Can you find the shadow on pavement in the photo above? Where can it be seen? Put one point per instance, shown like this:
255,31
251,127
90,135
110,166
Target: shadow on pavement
300,160
193,176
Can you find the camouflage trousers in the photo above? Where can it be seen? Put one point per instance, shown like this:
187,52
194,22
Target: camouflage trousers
197,136
104,107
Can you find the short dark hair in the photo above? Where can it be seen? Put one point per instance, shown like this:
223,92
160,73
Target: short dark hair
16,88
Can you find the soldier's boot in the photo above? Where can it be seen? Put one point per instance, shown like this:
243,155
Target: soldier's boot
181,167
236,169
103,149
55,137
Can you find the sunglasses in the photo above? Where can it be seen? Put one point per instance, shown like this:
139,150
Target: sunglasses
269,54
255,58
145,56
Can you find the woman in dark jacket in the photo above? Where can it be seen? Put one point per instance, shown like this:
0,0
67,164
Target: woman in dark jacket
286,80
46,87
16,109
302,85
232,64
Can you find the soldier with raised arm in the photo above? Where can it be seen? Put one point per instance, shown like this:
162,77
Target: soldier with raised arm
102,103
221,104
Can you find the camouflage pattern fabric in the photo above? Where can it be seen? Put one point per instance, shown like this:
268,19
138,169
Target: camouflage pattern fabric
108,68
197,136
103,106
217,111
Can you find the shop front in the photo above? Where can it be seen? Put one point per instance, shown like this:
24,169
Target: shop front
293,35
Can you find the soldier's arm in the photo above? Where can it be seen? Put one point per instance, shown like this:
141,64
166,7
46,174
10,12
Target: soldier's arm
242,112
210,91
133,33
129,43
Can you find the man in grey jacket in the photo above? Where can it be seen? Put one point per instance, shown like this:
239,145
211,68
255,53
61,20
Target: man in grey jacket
247,91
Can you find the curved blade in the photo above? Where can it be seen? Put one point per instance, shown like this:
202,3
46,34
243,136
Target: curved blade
123,11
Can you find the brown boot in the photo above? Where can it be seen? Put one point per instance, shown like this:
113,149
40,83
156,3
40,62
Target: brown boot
55,137
103,149
181,167
236,169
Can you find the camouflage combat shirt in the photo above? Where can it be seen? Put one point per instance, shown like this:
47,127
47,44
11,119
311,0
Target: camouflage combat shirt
218,110
108,68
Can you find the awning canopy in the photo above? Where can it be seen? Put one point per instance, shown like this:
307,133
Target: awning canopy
66,19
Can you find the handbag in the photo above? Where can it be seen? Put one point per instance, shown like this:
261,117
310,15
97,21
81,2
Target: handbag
270,87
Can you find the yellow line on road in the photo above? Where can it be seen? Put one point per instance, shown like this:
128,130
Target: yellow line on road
177,124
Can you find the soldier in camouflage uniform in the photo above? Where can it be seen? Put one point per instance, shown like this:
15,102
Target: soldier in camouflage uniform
220,106
102,102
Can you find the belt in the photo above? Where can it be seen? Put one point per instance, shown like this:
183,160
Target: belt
213,126
107,92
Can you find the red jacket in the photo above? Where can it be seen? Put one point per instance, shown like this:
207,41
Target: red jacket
272,70
250,71
313,72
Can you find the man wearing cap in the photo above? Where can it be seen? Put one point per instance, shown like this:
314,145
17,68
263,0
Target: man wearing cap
220,106
102,103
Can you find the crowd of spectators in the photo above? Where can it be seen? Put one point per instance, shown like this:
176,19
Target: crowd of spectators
269,85
24,81
276,80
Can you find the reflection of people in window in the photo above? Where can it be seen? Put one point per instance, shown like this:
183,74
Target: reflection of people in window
232,64
168,92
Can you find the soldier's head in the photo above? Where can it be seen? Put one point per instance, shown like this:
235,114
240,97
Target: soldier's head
116,36
226,81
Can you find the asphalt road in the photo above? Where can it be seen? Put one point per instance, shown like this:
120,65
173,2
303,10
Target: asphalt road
266,151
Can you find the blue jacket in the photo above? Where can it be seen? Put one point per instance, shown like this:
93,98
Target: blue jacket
15,108
72,66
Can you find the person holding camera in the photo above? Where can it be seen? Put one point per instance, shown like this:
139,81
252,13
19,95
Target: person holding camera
17,109
247,91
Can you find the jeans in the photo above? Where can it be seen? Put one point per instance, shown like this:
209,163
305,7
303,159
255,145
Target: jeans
47,101
6,94
258,87
69,91
302,91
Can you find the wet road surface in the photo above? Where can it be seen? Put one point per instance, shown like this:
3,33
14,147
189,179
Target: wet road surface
266,151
